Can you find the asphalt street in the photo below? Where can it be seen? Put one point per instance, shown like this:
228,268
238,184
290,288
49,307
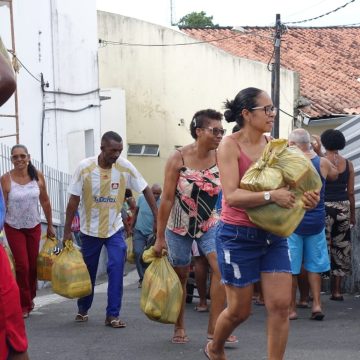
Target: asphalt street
54,335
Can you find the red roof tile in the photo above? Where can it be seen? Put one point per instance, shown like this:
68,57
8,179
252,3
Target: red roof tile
327,60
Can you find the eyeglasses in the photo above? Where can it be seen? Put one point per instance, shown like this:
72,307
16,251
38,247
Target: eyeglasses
269,109
20,156
216,131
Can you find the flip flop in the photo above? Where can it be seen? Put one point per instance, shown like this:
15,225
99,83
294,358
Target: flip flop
302,306
180,339
259,303
81,317
115,323
201,308
293,317
337,298
317,315
206,350
232,339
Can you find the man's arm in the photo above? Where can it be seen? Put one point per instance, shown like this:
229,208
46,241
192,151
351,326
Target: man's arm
152,203
71,208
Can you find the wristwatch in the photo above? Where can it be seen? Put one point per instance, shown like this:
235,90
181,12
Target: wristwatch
267,195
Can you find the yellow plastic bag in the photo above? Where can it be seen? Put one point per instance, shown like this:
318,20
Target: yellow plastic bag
130,255
46,258
161,293
70,276
278,166
11,259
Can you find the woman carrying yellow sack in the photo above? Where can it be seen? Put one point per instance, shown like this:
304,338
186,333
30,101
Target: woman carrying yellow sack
24,187
245,252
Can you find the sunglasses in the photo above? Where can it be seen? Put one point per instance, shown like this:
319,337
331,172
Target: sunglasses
269,109
216,131
20,156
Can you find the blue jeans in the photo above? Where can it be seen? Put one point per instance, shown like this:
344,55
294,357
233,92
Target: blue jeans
116,249
244,252
139,242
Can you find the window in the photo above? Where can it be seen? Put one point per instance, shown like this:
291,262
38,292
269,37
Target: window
143,150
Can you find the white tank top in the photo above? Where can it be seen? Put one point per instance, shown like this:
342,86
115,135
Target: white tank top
23,205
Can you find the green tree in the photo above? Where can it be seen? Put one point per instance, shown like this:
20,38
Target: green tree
197,19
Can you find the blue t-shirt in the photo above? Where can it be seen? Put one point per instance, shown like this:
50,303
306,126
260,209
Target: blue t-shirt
145,218
313,221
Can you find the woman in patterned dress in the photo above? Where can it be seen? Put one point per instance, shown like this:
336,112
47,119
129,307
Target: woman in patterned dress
187,210
340,210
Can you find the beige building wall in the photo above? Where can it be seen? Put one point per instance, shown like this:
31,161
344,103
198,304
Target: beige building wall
165,85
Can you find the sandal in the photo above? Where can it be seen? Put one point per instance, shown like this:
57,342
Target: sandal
206,350
81,317
114,322
232,339
199,308
180,339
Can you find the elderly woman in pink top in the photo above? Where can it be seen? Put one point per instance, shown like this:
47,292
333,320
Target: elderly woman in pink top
24,187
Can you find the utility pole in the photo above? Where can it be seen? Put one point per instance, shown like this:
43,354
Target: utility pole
275,76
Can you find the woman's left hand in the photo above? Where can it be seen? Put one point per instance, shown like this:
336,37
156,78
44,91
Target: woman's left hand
50,231
311,199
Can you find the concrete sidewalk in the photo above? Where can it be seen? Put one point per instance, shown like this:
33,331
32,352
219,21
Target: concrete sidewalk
54,335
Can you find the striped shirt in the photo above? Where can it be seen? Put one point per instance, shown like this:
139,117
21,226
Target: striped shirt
102,194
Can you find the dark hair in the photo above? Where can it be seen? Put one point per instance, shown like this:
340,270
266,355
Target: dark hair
111,135
128,193
245,99
31,169
333,139
235,128
201,118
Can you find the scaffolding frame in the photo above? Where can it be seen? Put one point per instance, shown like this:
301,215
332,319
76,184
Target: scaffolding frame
12,51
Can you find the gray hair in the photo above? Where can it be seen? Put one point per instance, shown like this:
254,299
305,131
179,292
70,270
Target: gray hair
299,136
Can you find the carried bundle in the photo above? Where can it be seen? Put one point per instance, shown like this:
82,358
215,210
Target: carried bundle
70,276
280,165
161,292
46,258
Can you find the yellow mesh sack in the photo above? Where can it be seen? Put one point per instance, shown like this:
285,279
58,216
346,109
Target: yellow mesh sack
161,292
130,255
46,258
70,276
279,166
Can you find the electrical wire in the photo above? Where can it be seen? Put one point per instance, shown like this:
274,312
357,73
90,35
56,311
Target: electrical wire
69,93
320,16
26,69
286,113
75,110
104,43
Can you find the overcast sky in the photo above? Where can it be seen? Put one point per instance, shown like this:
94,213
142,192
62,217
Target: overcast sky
238,12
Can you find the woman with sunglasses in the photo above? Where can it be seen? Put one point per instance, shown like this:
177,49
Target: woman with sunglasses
186,212
246,253
24,187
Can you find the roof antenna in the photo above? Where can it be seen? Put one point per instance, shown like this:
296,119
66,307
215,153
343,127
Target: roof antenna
172,14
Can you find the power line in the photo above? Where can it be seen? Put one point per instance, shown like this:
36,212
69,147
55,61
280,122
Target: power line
26,69
320,16
109,42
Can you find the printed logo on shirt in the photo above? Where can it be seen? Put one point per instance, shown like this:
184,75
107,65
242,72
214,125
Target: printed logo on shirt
104,199
114,186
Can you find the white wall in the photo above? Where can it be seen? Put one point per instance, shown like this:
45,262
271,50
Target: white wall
59,39
166,84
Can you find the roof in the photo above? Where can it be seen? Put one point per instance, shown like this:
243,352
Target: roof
327,60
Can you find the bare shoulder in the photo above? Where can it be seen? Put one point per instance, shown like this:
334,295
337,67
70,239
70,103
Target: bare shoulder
5,181
175,160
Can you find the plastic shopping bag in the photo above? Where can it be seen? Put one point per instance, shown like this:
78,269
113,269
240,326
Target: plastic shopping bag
46,258
70,276
161,293
130,255
279,166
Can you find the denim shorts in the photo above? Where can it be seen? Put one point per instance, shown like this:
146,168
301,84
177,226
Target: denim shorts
245,252
179,246
311,250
